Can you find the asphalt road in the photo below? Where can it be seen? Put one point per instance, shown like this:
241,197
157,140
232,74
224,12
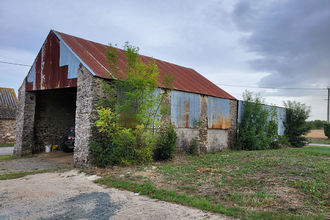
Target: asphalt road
6,150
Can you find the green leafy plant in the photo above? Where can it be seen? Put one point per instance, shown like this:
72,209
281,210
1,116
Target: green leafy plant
193,147
166,146
327,129
258,129
130,115
295,123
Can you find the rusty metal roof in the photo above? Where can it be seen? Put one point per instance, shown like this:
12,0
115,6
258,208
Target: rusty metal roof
92,55
8,103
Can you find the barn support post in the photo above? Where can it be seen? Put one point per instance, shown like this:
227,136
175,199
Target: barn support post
89,92
24,138
233,123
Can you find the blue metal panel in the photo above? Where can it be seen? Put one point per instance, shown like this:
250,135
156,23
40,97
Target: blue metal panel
240,111
218,113
67,58
32,75
185,109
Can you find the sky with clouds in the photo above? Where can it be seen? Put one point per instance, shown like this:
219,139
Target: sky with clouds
276,44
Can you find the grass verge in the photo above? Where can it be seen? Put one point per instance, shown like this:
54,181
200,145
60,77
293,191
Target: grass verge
7,157
320,142
289,183
16,175
7,145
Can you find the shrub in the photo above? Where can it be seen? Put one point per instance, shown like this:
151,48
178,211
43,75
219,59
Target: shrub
166,146
193,147
105,154
258,129
295,123
327,129
283,141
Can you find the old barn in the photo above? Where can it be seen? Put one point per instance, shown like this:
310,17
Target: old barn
64,84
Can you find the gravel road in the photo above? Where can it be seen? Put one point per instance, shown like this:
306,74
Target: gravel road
73,195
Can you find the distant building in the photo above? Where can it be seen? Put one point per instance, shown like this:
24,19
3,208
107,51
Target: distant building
8,105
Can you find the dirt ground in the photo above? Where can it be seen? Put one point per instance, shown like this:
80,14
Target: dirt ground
316,134
42,161
73,195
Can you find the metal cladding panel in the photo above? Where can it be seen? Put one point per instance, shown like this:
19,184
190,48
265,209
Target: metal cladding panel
50,70
185,109
185,79
8,103
218,113
281,115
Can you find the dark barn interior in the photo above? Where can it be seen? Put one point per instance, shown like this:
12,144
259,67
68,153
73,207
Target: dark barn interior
54,115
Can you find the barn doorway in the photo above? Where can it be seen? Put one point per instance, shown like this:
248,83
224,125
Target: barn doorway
54,114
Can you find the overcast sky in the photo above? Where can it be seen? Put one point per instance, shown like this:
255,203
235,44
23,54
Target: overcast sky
277,44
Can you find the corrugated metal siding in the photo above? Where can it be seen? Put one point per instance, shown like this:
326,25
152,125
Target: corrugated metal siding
92,55
218,113
185,109
54,67
8,103
281,114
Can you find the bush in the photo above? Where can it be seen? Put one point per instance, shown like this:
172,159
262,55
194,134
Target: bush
166,146
258,129
193,147
327,129
283,141
105,154
295,123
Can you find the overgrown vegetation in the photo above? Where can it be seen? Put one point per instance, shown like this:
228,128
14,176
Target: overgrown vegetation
258,129
327,129
7,157
193,147
130,116
287,183
295,123
166,145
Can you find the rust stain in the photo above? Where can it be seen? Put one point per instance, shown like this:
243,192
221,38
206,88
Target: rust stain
186,114
221,123
48,73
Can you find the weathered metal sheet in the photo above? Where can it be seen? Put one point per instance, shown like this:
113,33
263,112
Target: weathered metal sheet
218,113
281,114
185,109
8,103
54,67
92,55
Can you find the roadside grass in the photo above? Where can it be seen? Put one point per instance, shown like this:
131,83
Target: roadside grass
7,157
7,145
290,183
320,141
16,175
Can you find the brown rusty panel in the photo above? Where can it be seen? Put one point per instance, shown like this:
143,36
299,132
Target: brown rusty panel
48,73
38,72
29,86
186,114
221,123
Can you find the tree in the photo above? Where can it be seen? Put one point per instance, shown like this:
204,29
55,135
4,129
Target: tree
295,123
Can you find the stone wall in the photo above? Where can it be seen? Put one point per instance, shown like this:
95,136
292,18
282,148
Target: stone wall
233,124
24,140
89,92
7,131
54,115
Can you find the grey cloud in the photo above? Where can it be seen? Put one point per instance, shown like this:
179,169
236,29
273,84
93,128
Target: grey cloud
291,39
